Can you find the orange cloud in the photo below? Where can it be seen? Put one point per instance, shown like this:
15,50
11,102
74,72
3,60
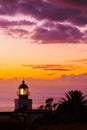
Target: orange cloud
81,61
54,67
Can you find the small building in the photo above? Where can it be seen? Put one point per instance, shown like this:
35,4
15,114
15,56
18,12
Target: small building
23,102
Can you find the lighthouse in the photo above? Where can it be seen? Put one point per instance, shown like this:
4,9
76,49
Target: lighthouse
23,101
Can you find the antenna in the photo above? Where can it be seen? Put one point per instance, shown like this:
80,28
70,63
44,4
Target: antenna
23,78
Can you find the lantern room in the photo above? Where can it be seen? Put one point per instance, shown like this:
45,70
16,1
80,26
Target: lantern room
23,91
23,102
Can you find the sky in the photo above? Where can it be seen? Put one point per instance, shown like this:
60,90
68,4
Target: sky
45,43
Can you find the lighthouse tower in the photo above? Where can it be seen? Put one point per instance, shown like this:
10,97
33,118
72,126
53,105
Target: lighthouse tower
23,102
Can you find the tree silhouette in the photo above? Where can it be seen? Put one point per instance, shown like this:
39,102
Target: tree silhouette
54,106
41,107
48,105
74,104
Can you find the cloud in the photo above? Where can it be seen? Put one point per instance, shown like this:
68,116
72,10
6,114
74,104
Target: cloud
48,32
8,7
15,28
46,10
40,9
70,3
84,61
7,23
50,74
63,11
58,33
75,80
51,67
77,10
18,33
67,17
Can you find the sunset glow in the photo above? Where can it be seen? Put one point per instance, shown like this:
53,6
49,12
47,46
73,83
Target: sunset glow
44,42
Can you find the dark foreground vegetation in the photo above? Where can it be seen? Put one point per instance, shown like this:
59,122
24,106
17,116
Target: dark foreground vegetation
64,127
78,126
69,114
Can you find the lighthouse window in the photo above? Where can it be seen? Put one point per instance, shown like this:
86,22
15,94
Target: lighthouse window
23,91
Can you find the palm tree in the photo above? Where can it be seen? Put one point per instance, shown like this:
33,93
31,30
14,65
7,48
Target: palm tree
74,104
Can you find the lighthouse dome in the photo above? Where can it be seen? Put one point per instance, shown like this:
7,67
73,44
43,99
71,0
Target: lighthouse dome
23,85
23,91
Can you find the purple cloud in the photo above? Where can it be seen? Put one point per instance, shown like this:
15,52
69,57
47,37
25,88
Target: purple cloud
45,10
7,23
82,4
63,11
18,33
15,28
58,33
73,12
40,9
8,7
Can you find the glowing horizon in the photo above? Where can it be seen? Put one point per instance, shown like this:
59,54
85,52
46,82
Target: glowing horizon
41,60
